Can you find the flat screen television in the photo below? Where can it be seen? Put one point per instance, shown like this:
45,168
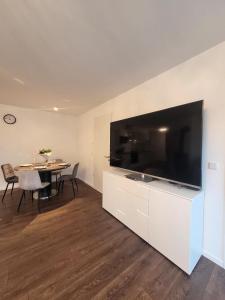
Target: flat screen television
163,144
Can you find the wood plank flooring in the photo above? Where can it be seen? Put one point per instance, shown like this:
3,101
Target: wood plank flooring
76,250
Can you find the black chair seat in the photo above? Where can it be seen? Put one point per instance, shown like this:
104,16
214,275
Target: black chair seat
13,179
66,177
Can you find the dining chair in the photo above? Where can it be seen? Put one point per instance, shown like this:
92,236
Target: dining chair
70,177
57,173
30,181
9,176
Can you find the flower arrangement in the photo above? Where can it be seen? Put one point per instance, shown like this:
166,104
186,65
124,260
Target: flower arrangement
46,151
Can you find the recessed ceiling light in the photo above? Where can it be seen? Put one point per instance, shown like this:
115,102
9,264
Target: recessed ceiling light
55,108
19,80
163,129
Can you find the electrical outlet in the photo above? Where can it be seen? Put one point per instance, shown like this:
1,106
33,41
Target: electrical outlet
212,166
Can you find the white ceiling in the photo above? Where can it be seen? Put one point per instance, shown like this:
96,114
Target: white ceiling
75,54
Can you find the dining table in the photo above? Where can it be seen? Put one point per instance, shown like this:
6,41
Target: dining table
45,171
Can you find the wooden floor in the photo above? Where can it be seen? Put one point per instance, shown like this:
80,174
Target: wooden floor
76,250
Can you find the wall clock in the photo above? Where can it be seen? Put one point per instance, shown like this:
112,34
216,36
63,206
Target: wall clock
9,119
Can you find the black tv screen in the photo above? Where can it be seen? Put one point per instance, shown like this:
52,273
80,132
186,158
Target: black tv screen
165,144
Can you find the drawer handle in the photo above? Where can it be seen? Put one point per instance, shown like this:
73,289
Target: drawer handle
141,213
121,212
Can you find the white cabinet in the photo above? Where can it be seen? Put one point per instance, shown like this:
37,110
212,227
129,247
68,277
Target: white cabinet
168,217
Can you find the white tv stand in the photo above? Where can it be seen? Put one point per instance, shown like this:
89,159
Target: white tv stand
168,217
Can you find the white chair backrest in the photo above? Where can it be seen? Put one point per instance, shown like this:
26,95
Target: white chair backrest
29,180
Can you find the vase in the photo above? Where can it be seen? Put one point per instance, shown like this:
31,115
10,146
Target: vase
46,157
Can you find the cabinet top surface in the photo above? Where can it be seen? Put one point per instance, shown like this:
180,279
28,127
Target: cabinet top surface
159,185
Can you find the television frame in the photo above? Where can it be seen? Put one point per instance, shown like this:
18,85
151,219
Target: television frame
198,187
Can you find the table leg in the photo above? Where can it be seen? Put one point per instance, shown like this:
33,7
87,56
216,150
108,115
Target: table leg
47,192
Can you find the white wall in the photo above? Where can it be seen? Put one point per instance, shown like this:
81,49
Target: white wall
19,143
201,77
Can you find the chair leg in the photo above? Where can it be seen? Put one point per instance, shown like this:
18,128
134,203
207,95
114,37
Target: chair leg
73,188
62,185
76,183
32,195
12,188
49,195
38,203
21,199
58,187
5,192
56,181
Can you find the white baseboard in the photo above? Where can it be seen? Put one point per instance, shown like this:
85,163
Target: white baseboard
214,259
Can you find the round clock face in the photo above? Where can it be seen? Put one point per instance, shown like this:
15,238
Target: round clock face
9,119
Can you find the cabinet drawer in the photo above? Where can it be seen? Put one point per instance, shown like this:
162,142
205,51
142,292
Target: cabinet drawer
139,224
121,216
135,187
133,212
130,202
